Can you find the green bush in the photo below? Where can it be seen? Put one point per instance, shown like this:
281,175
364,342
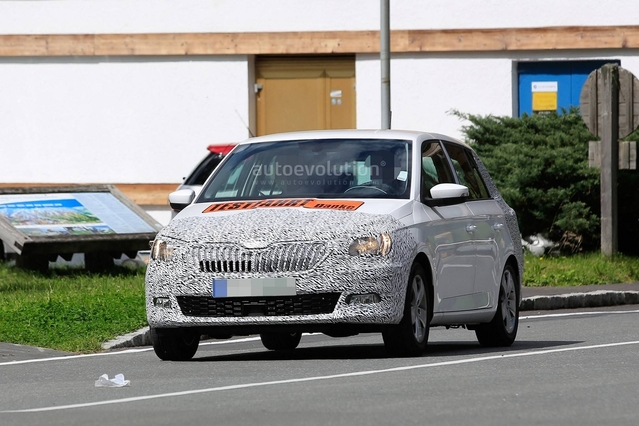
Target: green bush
540,164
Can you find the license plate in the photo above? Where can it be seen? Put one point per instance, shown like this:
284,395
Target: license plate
253,287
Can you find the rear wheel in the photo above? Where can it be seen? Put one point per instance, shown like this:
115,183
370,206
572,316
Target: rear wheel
502,330
174,344
280,341
409,337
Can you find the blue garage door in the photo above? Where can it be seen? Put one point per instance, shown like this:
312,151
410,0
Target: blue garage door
560,87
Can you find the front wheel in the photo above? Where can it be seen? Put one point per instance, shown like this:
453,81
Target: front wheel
174,344
502,330
409,337
280,341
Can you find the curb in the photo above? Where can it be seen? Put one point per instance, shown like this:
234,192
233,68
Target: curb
142,337
591,299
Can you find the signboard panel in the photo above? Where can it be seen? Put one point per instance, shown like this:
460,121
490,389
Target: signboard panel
78,219
88,213
628,102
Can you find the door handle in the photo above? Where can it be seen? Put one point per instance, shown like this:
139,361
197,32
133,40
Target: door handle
471,228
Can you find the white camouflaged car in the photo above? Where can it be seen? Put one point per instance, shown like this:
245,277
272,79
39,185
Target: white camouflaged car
337,232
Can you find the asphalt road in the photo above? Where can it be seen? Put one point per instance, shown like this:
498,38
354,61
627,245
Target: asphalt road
577,367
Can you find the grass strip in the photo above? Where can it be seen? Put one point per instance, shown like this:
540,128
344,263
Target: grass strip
69,310
580,269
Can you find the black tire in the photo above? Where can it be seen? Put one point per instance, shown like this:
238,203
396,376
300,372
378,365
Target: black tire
410,336
502,330
280,341
174,344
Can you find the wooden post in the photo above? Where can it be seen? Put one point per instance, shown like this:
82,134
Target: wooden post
609,158
384,55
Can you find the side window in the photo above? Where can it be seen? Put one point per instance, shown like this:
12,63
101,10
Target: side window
435,169
467,171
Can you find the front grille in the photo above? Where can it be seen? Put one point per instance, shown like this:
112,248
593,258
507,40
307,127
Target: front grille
279,257
303,304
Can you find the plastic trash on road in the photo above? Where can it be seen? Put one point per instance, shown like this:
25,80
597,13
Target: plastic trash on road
116,382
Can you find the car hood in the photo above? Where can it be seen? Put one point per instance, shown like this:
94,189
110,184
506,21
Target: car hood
268,224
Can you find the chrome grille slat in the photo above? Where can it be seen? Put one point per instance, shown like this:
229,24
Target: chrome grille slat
281,259
311,255
296,263
284,259
278,257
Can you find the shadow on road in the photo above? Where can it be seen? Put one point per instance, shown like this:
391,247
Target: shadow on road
434,351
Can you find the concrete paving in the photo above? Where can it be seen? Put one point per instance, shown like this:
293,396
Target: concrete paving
11,352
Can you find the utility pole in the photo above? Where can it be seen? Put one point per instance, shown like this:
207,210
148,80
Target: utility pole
384,55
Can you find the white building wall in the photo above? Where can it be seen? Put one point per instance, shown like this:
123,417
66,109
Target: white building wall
148,120
142,16
426,88
629,62
117,120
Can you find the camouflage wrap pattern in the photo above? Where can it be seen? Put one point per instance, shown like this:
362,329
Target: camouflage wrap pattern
336,270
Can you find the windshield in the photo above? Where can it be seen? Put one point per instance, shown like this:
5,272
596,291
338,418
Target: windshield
335,168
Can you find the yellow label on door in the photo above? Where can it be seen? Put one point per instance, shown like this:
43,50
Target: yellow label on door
544,101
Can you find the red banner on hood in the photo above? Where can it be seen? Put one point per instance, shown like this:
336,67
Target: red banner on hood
307,203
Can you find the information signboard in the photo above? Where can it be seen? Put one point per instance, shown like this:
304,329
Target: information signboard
52,221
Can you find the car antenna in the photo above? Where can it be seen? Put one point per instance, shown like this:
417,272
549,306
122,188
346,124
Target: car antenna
247,127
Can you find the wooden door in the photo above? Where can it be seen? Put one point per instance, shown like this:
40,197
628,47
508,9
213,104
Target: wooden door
305,93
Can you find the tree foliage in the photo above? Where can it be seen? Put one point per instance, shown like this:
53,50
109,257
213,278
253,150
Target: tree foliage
540,164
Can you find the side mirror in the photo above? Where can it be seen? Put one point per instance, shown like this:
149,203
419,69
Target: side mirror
446,194
181,198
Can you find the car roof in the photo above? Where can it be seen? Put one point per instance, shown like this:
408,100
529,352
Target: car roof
351,134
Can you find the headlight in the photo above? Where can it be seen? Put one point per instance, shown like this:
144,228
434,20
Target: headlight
370,245
161,250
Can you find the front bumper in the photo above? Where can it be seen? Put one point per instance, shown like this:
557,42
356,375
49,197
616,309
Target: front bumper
323,296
